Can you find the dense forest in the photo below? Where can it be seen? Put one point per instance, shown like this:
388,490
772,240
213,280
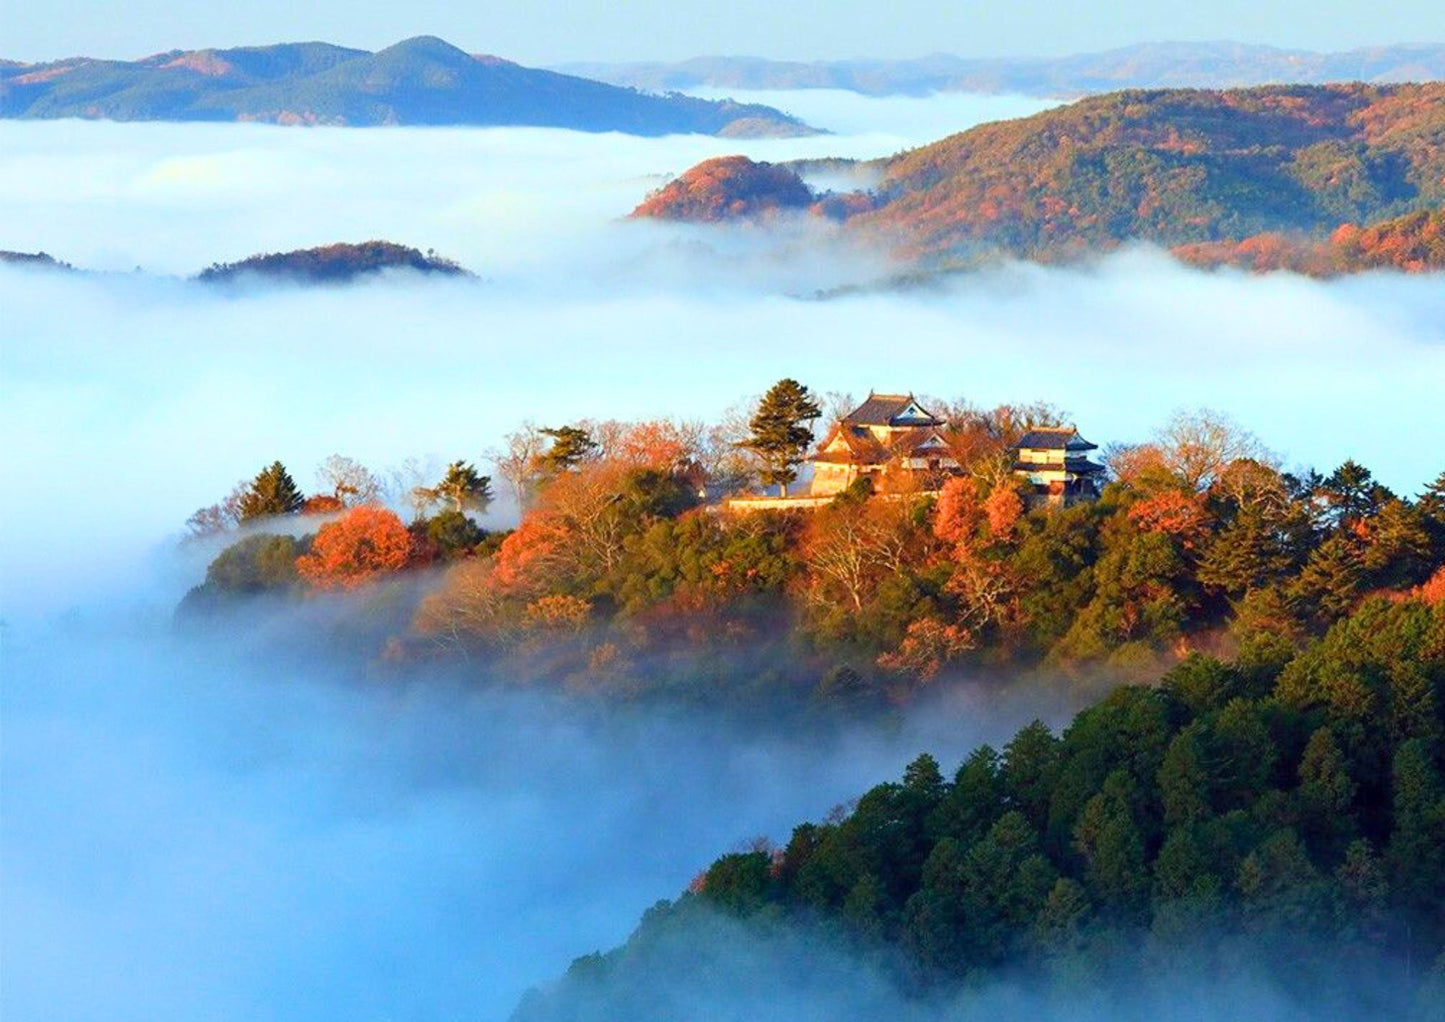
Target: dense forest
1172,167
627,577
1281,818
424,80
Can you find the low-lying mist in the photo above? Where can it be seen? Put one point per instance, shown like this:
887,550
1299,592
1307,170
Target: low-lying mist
195,829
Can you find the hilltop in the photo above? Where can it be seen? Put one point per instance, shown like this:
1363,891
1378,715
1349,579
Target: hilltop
421,81
332,264
1172,167
1211,65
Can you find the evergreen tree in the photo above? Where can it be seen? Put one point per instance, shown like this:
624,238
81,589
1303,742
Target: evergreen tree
1326,796
779,434
571,445
272,492
1351,494
462,487
1184,779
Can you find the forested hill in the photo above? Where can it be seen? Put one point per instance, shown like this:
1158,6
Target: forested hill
418,81
332,264
1282,822
1171,167
1211,65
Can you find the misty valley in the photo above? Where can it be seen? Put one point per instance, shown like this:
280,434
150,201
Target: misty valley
579,571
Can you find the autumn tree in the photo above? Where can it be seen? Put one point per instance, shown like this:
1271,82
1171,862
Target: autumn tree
272,492
781,430
358,548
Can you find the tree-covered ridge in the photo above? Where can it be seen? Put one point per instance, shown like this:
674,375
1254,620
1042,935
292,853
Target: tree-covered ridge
417,81
332,264
1172,167
630,572
1282,815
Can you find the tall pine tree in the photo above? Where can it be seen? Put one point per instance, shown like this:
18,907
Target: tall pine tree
781,431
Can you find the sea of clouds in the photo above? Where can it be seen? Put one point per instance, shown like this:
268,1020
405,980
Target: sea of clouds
190,831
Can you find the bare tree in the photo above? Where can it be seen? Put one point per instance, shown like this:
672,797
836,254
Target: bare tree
348,481
407,483
516,461
220,516
1197,446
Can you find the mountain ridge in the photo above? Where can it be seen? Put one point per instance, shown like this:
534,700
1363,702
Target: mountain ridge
419,81
1170,167
1221,64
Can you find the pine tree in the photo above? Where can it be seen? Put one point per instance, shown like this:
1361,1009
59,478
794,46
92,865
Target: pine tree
463,488
1326,796
272,492
779,436
571,445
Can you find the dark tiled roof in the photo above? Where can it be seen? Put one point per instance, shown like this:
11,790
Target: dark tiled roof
885,410
1080,466
1055,440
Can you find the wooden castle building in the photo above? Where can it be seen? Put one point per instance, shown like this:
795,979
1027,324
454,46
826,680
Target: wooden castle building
889,437
901,446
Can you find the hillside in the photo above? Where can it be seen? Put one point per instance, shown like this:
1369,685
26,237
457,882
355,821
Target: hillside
1414,243
421,81
1218,65
1172,167
729,187
1251,827
332,264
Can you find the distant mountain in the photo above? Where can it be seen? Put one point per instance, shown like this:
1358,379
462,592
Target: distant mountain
339,263
332,264
1172,167
420,81
34,260
1149,65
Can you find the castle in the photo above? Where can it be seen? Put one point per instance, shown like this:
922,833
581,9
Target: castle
901,446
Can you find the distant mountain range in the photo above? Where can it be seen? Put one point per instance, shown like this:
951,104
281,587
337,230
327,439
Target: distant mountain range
419,81
1171,167
1145,66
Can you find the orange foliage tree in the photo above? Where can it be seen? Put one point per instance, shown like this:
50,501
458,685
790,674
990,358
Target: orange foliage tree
1174,513
358,548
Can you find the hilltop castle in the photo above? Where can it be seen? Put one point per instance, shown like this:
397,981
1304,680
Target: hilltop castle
896,442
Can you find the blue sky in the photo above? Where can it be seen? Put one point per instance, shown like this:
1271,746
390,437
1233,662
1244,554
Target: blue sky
544,31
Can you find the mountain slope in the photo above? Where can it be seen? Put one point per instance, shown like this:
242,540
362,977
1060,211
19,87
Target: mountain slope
418,81
1413,243
1171,167
1147,65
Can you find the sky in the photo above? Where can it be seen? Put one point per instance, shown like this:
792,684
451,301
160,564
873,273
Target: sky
551,31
